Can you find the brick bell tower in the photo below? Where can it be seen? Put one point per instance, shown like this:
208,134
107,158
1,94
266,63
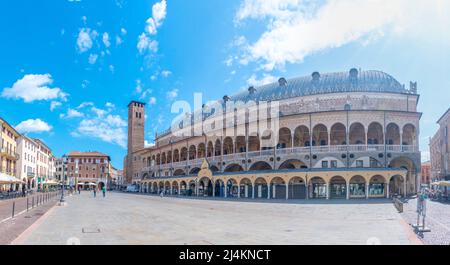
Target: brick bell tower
136,121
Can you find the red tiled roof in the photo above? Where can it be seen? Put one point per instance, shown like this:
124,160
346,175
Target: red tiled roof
77,153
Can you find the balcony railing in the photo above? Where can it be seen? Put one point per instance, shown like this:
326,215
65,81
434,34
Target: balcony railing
294,150
9,153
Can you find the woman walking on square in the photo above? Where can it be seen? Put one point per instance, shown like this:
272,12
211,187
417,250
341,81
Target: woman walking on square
104,191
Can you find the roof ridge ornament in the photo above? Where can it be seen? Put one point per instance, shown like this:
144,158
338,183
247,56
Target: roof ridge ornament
413,87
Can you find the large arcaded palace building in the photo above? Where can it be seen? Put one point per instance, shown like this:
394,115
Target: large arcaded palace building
351,134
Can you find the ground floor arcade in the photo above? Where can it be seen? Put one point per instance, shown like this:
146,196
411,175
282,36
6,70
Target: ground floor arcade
289,184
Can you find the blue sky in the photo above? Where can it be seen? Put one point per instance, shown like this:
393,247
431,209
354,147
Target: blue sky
70,67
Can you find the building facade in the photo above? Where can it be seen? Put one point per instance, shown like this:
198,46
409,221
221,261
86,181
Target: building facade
45,163
426,173
89,167
335,135
27,164
440,150
8,151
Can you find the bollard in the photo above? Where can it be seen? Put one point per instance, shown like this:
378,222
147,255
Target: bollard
13,209
27,204
32,202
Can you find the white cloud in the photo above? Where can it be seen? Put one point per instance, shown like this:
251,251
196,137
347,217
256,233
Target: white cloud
85,104
297,28
111,68
152,101
123,31
106,39
33,126
71,113
118,40
85,39
266,79
146,44
153,23
93,58
148,144
54,105
34,87
110,105
138,86
172,94
99,112
111,129
166,73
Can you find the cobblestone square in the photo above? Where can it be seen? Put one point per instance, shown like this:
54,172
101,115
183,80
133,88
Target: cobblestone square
140,219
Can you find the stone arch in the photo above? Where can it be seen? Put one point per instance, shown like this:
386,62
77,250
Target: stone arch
217,148
302,137
375,133
205,187
163,158
155,187
233,168
297,188
201,150
246,188
317,188
228,146
261,189
277,188
192,152
284,138
176,155
169,157
175,188
338,187
377,186
183,154
357,134
409,135
219,188
254,144
158,159
240,144
194,171
210,149
408,164
214,168
260,165
357,185
179,172
292,164
320,135
232,188
183,188
167,187
191,188
392,134
338,134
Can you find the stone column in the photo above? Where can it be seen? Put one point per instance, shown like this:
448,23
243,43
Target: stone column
404,187
287,191
307,191
367,190
213,189
387,190
328,191
239,191
347,190
225,190
268,190
253,191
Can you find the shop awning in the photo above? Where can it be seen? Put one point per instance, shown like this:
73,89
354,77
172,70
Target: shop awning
7,179
51,182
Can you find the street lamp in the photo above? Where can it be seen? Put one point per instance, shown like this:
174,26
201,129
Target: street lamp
62,201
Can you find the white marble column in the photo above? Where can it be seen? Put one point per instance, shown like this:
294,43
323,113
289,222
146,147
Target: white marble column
328,191
387,190
268,191
225,190
253,191
239,192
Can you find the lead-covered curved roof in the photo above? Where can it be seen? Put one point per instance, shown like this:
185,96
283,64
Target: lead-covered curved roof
351,81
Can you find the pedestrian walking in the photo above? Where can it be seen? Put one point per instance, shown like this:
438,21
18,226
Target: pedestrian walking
161,194
104,191
95,192
79,189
